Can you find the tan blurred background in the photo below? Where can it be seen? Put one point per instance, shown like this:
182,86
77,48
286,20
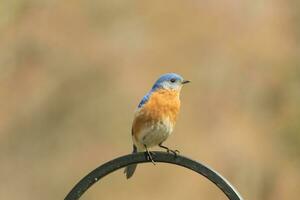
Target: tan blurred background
72,73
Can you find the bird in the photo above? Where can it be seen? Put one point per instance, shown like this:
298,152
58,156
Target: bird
155,117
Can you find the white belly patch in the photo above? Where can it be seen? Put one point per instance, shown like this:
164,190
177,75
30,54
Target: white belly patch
156,133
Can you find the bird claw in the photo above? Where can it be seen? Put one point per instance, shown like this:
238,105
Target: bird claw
175,152
149,156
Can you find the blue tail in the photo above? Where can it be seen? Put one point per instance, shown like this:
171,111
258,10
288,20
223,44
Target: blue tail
129,170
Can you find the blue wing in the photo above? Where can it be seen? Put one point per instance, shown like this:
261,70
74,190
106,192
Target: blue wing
144,100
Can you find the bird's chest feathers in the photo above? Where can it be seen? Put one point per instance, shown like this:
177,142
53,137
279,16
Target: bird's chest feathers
154,122
163,105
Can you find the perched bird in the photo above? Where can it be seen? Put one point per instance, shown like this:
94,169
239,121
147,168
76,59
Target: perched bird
156,116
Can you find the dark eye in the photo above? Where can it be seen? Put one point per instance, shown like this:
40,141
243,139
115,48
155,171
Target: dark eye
173,80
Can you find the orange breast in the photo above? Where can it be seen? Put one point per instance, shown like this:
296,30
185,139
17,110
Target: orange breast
162,104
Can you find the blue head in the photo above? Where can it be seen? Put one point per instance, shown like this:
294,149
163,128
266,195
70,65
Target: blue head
170,81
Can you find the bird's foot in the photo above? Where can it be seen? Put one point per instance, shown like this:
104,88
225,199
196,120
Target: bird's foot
149,155
175,152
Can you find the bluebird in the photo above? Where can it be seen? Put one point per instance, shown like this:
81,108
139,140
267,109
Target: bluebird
155,116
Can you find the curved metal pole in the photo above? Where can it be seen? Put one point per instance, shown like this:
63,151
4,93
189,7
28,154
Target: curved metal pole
158,156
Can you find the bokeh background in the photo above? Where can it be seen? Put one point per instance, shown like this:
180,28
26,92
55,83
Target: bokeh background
72,73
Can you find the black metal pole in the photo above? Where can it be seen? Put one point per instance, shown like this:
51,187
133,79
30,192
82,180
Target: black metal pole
158,156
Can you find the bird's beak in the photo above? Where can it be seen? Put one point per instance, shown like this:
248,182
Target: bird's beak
185,81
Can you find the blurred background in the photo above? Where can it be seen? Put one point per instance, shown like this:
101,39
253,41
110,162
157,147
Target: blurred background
73,72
